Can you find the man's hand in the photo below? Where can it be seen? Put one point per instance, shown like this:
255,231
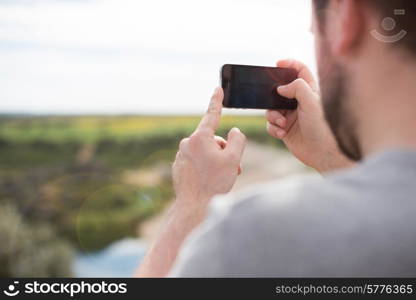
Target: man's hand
304,130
205,164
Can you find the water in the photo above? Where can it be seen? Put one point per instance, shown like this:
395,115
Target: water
120,259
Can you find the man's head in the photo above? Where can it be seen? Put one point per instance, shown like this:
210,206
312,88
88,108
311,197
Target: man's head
345,46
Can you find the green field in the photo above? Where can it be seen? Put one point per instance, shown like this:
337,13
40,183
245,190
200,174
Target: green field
79,183
95,128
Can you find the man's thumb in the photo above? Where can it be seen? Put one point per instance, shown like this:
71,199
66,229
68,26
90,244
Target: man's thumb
299,90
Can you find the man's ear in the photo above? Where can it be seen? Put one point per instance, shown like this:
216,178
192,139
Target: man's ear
349,26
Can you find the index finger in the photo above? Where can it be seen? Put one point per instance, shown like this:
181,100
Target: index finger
211,120
302,69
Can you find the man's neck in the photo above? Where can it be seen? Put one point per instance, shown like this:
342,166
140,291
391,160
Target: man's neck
386,91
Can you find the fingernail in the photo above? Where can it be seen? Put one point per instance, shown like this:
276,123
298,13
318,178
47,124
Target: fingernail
217,89
281,88
236,129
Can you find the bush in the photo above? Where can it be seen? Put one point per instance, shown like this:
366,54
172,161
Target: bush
31,250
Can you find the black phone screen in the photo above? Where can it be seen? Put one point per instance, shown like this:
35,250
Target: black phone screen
255,87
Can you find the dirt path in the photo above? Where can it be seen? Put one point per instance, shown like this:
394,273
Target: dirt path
260,163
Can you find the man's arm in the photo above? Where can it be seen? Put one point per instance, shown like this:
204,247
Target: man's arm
180,221
205,166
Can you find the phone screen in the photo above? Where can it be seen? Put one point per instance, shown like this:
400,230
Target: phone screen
255,87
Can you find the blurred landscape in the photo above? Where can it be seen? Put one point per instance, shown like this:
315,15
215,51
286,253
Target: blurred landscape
71,187
95,97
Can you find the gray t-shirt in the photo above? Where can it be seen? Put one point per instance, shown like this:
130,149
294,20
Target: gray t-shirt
359,222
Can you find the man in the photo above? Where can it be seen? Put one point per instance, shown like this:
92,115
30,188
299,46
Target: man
359,219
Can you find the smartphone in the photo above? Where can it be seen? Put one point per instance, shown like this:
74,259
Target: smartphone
255,87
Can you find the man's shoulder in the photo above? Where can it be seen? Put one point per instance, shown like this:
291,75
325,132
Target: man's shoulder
280,221
272,229
302,193
279,196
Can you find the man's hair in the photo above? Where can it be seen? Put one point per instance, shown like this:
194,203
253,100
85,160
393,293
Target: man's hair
386,8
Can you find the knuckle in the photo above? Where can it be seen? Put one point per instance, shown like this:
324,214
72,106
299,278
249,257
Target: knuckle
297,81
195,139
183,143
300,86
213,109
213,105
300,82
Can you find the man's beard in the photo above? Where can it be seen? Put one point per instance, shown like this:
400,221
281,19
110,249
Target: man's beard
337,110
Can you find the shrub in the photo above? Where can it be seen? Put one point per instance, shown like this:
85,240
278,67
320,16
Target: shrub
31,250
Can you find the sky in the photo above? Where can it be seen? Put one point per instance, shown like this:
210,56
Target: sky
136,56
